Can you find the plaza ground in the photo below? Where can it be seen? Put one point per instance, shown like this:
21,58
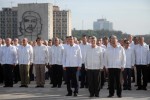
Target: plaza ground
48,93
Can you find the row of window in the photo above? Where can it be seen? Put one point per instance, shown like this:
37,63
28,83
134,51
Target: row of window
9,31
8,12
7,19
58,31
8,25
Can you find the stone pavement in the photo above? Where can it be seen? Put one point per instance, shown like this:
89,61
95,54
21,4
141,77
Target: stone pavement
48,93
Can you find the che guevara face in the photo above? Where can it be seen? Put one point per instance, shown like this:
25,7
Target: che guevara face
30,23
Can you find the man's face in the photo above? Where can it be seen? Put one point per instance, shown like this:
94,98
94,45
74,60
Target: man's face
89,39
15,41
30,23
93,41
24,41
8,41
71,40
50,43
127,44
114,40
84,39
130,38
0,41
105,41
39,42
56,41
141,40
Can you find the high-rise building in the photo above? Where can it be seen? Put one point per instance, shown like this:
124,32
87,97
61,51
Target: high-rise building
8,23
61,22
102,24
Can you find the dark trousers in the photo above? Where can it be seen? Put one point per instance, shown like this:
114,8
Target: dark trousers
84,79
102,78
16,73
50,73
57,75
64,76
31,73
127,78
8,74
141,70
114,80
1,74
71,79
94,80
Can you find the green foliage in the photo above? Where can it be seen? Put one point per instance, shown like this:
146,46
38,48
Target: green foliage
102,33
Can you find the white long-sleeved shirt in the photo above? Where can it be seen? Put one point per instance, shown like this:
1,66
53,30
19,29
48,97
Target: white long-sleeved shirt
49,54
65,45
9,55
149,57
72,56
130,57
1,51
25,54
141,54
40,54
132,45
83,48
94,58
17,46
115,57
56,55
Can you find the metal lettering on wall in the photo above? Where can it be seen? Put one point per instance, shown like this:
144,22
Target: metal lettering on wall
31,23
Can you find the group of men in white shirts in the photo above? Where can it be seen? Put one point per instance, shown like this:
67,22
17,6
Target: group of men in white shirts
92,58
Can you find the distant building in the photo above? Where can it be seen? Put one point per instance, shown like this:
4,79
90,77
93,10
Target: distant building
62,24
102,24
8,23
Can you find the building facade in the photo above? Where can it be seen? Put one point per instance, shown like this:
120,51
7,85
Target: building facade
35,20
102,24
62,24
8,23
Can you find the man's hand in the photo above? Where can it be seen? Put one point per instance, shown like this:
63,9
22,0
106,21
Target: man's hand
64,68
122,69
79,68
106,70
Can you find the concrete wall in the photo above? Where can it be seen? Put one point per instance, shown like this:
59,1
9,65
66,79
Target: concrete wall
35,20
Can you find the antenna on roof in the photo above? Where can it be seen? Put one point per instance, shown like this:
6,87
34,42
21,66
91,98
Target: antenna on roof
11,4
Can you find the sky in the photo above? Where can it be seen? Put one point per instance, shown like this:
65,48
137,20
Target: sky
128,16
